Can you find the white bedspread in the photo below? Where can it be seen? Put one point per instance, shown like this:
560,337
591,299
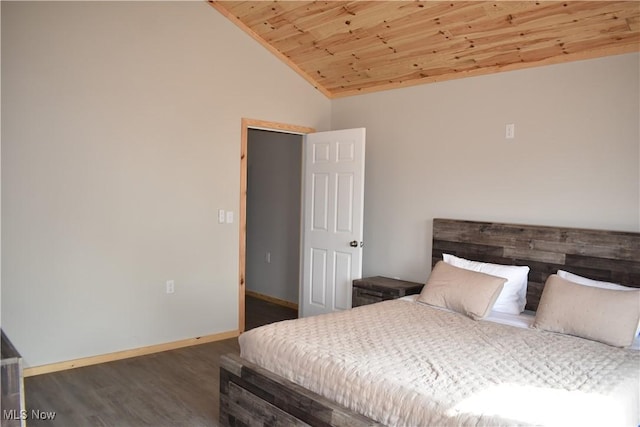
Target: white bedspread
406,364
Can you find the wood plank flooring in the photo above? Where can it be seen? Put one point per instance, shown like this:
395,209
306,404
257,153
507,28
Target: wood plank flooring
260,312
172,388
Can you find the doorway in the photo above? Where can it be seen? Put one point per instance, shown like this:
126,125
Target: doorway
262,254
274,188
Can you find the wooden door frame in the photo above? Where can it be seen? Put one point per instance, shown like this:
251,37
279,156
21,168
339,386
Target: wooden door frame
246,125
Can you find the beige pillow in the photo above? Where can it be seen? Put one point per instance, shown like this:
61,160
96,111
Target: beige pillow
464,291
605,315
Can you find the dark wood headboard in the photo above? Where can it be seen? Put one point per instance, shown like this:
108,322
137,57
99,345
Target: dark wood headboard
612,256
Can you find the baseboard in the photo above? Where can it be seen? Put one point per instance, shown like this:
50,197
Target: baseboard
274,300
119,355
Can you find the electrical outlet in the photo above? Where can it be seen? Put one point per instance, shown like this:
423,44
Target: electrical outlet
510,131
170,286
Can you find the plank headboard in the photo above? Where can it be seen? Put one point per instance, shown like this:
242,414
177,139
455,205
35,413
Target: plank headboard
612,256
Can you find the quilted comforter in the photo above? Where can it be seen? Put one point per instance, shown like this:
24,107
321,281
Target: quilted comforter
406,364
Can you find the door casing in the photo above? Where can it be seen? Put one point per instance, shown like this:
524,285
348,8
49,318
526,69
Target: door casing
242,220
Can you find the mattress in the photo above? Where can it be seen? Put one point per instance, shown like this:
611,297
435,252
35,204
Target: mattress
404,364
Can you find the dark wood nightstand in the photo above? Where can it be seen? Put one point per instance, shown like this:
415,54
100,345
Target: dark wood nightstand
370,290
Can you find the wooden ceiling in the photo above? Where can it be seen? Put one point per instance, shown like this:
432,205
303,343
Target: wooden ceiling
351,47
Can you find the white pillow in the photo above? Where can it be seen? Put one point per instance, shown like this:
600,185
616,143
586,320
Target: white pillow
590,282
596,284
513,297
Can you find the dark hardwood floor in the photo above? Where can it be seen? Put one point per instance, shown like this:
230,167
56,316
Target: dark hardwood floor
259,312
172,388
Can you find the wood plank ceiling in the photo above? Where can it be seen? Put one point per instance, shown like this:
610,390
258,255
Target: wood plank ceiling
346,48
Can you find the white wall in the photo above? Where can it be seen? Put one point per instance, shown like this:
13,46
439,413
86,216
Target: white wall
121,139
439,150
274,163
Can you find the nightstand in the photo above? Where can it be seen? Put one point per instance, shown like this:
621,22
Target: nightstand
378,288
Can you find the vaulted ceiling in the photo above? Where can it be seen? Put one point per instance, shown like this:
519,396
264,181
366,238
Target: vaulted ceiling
351,47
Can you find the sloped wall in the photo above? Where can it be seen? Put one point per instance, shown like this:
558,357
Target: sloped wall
120,141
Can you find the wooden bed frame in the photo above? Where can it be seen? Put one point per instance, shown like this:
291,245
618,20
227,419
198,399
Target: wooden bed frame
250,395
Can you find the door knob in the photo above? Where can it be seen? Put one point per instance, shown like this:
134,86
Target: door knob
353,243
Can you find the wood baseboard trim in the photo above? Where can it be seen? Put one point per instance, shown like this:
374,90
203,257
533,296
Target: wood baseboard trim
126,354
274,300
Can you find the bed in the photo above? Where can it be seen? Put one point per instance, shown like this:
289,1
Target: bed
405,363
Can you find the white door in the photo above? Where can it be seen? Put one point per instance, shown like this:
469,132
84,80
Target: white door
333,205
